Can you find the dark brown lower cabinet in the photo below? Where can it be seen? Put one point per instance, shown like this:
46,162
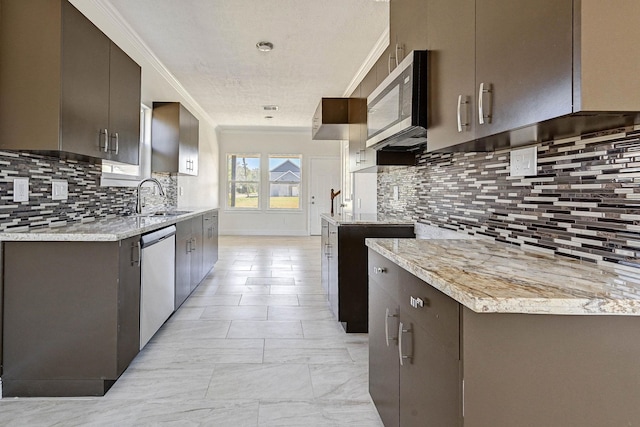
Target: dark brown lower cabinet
344,263
209,241
71,316
196,252
434,362
413,373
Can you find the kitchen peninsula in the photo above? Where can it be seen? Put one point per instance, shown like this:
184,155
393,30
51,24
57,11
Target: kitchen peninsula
493,335
344,262
72,307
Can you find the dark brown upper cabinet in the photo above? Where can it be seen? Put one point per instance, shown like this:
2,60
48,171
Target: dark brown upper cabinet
511,72
67,89
174,139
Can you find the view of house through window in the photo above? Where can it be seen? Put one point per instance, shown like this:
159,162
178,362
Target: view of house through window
284,182
244,181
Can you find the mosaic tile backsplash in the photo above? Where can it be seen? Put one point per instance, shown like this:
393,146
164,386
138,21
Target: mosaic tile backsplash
87,199
584,203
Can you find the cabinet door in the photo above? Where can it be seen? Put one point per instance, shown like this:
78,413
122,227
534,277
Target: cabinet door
85,86
196,247
128,302
183,262
324,260
408,26
124,107
333,258
524,58
188,144
451,45
429,377
210,242
383,354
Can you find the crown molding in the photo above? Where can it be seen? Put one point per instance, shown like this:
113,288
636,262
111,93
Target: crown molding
377,50
117,20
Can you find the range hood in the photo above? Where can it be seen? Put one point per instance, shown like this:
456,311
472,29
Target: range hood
331,120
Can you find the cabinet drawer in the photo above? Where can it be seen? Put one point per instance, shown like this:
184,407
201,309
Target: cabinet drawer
439,314
384,272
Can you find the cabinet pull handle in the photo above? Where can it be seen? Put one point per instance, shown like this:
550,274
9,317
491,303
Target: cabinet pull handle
481,92
389,64
117,143
399,49
104,147
136,262
402,330
188,246
195,242
379,270
386,326
462,102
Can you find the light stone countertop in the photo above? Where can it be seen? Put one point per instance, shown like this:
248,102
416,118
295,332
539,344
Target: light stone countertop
362,219
109,229
493,277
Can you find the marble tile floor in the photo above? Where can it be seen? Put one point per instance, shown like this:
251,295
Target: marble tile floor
254,345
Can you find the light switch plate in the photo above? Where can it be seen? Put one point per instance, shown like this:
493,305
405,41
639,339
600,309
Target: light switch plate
59,189
21,189
524,162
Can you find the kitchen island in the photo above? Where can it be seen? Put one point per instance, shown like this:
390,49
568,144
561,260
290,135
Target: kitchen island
344,262
479,333
71,298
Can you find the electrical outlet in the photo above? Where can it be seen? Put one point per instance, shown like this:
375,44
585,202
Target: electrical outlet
21,190
524,162
59,189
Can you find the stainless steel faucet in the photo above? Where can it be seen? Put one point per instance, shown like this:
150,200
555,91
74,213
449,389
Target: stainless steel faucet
138,196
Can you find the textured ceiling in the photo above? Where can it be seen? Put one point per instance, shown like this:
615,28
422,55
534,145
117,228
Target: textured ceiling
210,47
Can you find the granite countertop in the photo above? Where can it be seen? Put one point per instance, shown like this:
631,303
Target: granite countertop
492,277
363,219
108,229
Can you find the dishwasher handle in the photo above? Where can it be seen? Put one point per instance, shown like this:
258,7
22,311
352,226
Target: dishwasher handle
154,237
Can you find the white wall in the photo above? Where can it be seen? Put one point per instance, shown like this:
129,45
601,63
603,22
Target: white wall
159,85
267,141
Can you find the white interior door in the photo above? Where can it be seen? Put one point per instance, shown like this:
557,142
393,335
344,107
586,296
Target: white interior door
325,175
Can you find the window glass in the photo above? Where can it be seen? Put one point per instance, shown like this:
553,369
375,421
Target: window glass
243,180
284,181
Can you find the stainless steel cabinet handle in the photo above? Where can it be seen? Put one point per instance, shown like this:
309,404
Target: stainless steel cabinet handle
117,143
139,245
104,147
195,242
188,246
462,102
386,326
379,270
358,157
402,330
481,92
389,64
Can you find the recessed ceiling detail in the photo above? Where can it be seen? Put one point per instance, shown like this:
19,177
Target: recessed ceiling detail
264,46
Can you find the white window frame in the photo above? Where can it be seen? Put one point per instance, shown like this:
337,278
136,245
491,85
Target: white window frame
140,171
228,182
269,182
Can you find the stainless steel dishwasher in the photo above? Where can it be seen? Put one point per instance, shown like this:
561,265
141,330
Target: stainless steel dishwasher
157,293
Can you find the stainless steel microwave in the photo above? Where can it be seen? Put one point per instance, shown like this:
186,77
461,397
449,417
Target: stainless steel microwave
397,108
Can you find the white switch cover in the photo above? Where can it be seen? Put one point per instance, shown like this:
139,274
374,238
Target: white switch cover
21,190
59,189
524,162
